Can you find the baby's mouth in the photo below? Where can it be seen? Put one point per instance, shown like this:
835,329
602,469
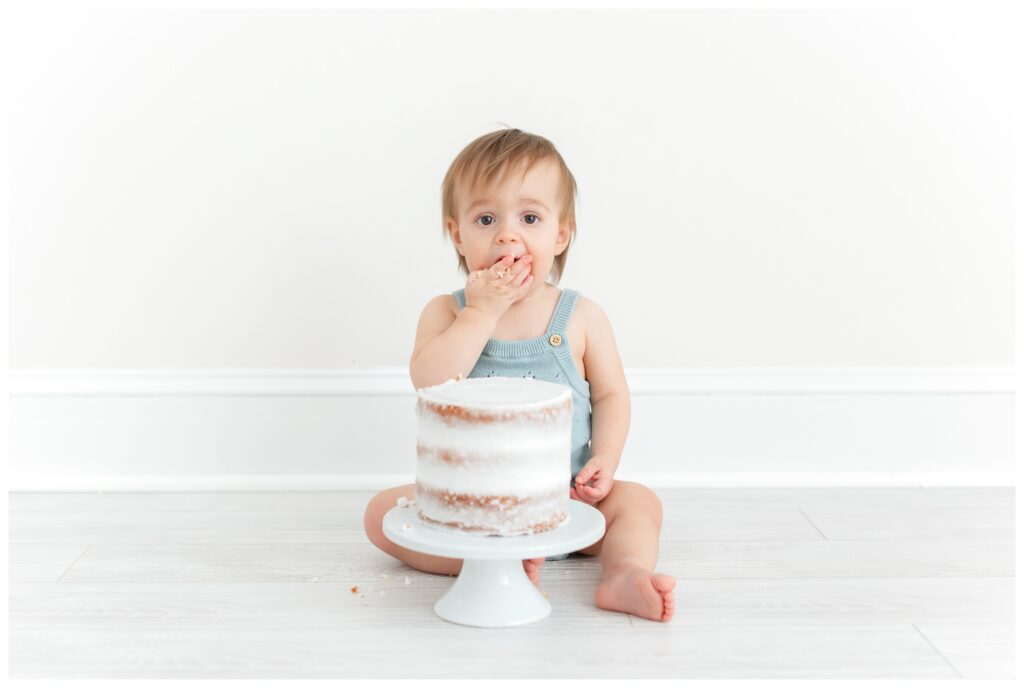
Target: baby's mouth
501,258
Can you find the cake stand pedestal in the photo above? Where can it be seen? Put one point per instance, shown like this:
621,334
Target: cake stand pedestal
492,589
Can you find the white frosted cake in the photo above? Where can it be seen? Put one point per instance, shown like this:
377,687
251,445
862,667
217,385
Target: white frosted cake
493,455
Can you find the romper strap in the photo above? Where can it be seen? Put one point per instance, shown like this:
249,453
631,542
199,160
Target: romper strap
563,311
460,297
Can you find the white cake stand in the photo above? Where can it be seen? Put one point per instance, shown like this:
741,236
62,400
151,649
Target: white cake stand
492,589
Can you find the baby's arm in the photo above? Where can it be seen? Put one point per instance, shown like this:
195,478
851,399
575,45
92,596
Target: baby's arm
609,401
447,345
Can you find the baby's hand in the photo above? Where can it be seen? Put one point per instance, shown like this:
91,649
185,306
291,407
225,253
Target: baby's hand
493,290
599,479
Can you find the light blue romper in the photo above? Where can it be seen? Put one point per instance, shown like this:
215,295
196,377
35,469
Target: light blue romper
544,358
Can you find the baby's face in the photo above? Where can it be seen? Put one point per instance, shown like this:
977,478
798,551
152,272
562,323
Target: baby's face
512,219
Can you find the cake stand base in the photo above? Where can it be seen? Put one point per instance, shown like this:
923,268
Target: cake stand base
492,589
492,593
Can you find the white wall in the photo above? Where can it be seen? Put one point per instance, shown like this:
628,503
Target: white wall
260,190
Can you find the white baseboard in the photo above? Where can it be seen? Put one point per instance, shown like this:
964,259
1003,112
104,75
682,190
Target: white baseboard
355,430
376,482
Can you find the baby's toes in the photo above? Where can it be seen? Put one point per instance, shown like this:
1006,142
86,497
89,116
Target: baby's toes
532,565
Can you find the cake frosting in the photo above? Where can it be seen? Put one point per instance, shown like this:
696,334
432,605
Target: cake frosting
493,455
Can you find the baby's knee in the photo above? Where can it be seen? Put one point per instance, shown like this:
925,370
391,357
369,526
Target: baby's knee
377,508
654,501
373,517
640,494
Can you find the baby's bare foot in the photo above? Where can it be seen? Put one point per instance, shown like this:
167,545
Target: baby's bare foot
532,568
638,591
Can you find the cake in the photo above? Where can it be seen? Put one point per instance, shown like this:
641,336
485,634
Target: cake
493,455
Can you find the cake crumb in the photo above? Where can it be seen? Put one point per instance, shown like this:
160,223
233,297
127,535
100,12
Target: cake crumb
408,581
355,588
403,501
406,526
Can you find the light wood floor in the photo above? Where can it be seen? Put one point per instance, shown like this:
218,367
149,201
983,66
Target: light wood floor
772,583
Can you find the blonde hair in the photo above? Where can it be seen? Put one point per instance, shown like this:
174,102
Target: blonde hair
498,153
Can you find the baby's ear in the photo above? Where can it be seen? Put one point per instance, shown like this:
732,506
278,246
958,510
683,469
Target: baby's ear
455,234
562,240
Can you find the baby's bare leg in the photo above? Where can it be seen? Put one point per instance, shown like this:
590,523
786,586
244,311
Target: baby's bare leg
373,522
631,540
629,552
426,562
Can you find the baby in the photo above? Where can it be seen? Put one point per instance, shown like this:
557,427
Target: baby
508,206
